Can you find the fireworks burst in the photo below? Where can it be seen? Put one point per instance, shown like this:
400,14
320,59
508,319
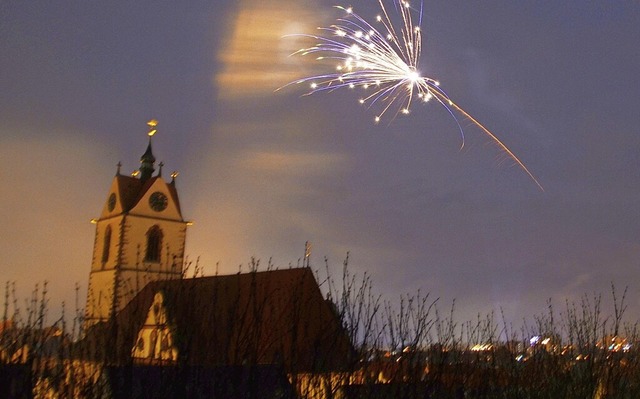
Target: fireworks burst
384,62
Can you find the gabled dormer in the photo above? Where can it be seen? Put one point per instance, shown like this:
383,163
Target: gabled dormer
155,342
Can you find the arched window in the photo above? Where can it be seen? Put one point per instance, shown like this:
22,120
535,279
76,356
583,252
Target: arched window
106,244
154,244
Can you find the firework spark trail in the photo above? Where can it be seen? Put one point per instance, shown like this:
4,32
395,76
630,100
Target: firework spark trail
387,64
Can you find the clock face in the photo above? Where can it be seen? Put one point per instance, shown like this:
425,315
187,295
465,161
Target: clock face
158,201
112,202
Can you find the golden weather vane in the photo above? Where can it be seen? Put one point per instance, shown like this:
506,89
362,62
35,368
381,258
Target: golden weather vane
152,127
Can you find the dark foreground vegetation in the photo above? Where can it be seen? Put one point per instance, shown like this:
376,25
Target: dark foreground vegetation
404,349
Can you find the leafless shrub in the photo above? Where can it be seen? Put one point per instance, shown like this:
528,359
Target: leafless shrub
406,348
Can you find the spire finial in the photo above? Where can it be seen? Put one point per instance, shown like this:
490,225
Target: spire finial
161,164
173,176
152,127
147,160
119,165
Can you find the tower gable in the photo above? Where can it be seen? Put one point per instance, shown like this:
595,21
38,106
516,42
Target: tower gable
157,199
129,194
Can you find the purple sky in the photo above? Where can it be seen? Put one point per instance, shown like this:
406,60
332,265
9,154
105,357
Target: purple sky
262,171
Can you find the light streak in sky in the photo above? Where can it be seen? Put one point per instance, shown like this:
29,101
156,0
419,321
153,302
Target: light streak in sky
384,62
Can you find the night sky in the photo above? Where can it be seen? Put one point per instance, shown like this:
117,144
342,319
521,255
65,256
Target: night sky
261,171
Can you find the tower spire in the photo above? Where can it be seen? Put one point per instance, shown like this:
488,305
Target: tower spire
147,160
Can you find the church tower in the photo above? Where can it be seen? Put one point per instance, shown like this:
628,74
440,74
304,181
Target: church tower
140,237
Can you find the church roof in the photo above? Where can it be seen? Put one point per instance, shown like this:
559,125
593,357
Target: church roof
271,317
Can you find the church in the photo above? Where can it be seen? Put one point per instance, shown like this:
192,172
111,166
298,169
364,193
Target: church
140,237
144,319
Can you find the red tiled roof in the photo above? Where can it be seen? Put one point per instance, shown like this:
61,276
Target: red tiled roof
271,317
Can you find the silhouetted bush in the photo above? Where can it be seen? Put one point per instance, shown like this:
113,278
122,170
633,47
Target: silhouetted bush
365,346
